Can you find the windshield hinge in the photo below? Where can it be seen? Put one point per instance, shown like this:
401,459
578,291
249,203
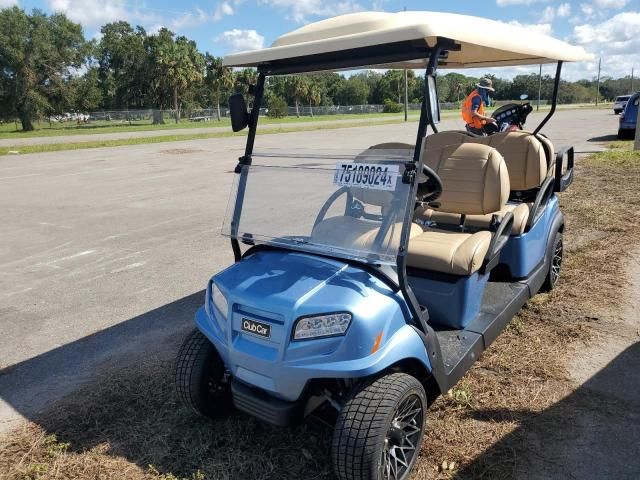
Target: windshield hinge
242,161
409,172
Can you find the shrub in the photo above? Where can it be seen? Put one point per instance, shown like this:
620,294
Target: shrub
277,107
391,107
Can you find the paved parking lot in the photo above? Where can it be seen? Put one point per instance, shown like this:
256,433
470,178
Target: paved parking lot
104,252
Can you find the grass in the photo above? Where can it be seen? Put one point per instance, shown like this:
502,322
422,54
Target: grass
56,147
129,424
9,130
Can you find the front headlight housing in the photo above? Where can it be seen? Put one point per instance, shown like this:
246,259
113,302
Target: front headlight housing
321,326
219,301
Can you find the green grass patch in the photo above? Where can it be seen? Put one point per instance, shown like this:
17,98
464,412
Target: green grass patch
9,130
620,154
56,147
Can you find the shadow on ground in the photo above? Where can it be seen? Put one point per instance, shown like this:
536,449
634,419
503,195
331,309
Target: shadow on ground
31,386
603,138
593,433
120,404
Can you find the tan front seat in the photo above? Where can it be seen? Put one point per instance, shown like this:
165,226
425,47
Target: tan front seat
526,160
475,182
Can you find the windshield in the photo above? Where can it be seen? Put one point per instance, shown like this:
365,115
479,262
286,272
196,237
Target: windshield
622,99
344,204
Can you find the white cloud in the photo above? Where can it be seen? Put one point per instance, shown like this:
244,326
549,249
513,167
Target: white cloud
239,40
301,10
564,10
223,8
8,3
543,28
91,12
617,4
548,14
616,40
189,19
507,3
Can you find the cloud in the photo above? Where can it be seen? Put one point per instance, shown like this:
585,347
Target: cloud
616,40
564,10
301,10
611,4
548,14
543,28
239,40
508,3
8,3
225,8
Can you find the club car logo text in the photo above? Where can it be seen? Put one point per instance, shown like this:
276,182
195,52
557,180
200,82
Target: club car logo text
366,175
257,328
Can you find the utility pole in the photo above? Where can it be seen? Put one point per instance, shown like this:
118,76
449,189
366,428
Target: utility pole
632,72
598,83
406,95
406,90
539,88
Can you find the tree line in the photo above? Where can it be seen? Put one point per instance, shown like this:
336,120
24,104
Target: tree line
47,67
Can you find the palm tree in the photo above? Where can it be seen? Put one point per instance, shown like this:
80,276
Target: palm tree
297,87
181,64
219,78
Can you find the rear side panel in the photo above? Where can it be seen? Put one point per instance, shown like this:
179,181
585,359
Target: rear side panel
523,253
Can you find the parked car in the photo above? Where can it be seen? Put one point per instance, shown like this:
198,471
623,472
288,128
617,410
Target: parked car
629,118
619,103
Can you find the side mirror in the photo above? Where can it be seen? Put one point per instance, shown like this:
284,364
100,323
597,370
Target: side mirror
238,112
524,96
433,98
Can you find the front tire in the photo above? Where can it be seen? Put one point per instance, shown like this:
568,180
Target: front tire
201,379
379,430
553,274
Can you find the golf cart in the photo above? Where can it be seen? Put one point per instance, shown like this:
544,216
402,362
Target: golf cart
367,282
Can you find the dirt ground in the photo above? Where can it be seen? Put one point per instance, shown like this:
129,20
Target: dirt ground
556,396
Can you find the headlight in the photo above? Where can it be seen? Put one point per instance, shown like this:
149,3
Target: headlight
321,326
219,301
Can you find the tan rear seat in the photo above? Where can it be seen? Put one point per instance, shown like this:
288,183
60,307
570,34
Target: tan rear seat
475,182
527,162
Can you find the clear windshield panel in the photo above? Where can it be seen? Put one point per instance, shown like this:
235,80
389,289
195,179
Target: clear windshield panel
347,205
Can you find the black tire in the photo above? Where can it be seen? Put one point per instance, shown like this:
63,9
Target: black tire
201,378
369,440
555,264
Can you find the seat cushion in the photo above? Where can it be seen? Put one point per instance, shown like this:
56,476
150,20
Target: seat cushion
353,233
520,213
450,252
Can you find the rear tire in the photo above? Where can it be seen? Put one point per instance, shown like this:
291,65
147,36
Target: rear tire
379,430
555,266
201,378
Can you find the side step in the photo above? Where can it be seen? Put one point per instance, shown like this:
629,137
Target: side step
461,348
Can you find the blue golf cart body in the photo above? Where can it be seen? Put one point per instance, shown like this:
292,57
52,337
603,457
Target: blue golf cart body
378,274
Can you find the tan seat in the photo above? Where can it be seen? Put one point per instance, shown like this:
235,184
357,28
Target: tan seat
526,157
475,182
354,233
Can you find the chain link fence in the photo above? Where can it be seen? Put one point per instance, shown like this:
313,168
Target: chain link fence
154,116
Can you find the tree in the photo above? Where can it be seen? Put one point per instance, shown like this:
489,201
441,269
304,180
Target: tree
218,79
86,92
122,60
354,91
297,87
37,55
178,64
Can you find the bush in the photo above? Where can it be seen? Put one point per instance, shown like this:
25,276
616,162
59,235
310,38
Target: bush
392,107
277,107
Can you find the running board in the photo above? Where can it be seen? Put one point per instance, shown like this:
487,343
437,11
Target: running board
461,348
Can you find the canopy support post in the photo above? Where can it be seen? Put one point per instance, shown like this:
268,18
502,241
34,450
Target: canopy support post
258,92
554,99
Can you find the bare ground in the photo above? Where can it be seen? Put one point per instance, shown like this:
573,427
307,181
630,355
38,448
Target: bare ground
542,402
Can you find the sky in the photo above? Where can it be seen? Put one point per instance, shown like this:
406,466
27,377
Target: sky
607,28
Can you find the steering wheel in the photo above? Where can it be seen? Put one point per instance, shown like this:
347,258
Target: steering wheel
429,185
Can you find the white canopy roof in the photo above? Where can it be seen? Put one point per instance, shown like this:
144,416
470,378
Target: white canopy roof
483,42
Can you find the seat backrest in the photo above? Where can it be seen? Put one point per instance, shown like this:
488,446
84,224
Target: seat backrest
474,177
523,153
380,197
